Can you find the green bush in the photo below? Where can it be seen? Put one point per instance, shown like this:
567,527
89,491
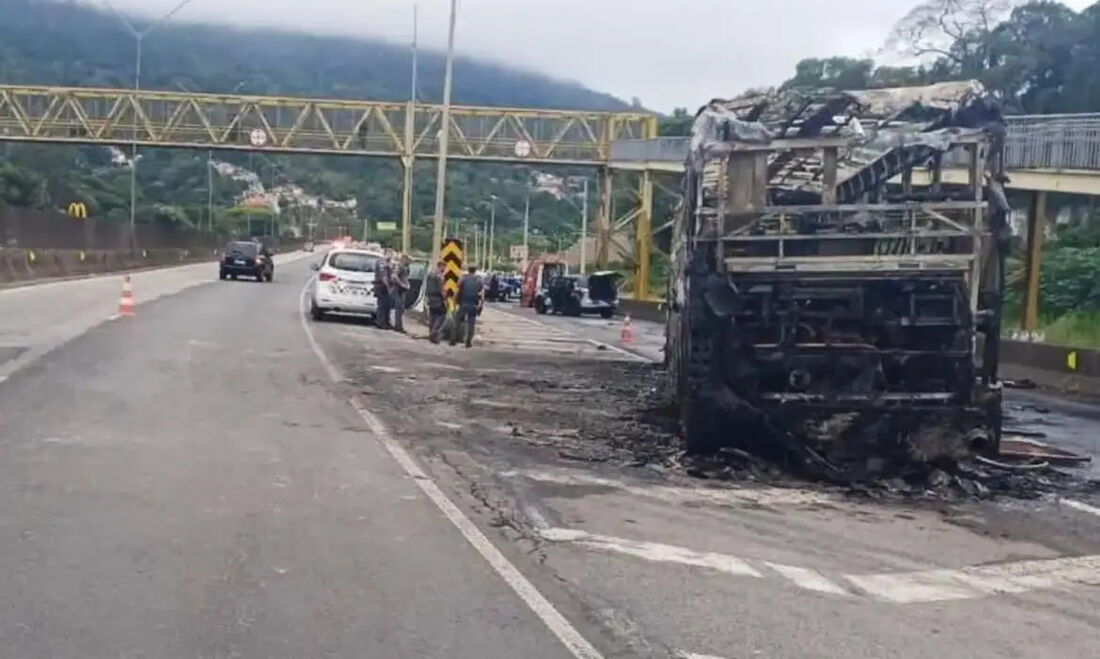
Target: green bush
1070,280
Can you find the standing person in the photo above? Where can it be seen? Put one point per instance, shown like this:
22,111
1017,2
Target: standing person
436,300
494,288
471,296
382,291
399,286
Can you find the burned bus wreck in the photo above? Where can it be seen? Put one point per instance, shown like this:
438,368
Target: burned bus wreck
830,295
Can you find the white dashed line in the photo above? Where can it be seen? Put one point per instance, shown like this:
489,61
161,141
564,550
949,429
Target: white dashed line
804,577
1078,505
935,585
652,551
980,580
727,496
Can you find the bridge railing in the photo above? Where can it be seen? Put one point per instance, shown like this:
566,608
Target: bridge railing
1069,141
1053,142
661,149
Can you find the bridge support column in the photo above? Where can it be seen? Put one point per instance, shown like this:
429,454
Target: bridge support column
643,235
603,219
1036,225
407,164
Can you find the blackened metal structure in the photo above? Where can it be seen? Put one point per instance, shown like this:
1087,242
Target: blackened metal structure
821,299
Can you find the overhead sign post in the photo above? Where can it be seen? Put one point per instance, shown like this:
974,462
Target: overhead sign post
451,255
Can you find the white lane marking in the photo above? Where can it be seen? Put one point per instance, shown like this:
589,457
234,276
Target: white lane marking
763,496
572,639
804,577
652,551
626,353
980,580
330,370
695,655
936,585
1081,506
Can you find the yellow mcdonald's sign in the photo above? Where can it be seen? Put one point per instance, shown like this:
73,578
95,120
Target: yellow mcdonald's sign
78,209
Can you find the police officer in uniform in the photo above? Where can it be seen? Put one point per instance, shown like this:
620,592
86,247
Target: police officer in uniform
436,300
471,297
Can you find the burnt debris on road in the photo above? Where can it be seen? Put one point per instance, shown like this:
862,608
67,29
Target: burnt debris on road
596,408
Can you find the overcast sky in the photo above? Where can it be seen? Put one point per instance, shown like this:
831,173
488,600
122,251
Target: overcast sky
668,53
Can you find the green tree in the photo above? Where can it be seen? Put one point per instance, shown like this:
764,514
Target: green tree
831,73
677,125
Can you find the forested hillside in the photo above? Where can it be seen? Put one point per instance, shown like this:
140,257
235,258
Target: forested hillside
65,43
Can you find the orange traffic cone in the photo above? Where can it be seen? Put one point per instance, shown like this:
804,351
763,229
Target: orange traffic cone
626,334
126,302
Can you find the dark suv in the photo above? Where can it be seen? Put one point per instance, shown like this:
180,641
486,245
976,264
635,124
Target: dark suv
247,258
574,295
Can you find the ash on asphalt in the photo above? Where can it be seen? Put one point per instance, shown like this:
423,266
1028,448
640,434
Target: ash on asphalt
571,409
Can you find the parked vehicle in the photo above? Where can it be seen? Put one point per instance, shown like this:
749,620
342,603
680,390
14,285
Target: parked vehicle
345,283
247,258
538,275
574,295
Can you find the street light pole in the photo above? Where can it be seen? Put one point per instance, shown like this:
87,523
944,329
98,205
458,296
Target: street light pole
584,228
476,258
444,136
134,151
139,38
407,160
492,230
210,189
526,224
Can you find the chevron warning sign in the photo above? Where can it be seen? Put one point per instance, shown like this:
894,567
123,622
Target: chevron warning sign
451,254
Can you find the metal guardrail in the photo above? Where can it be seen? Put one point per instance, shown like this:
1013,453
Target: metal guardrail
1066,141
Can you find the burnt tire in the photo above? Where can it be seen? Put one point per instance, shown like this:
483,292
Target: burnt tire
698,376
700,420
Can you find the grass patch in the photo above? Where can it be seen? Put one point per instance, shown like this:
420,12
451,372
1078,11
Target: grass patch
1076,328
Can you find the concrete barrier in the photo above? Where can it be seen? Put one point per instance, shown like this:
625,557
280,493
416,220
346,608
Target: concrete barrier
642,309
22,264
1064,368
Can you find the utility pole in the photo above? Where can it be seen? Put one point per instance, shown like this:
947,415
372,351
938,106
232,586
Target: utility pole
584,228
444,136
526,225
